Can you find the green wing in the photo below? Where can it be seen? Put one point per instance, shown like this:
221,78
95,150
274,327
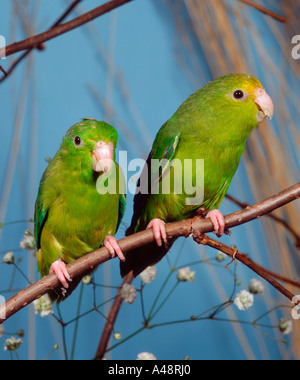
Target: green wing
40,213
164,147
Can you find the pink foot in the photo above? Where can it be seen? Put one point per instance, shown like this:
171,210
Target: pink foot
218,221
159,231
60,269
112,245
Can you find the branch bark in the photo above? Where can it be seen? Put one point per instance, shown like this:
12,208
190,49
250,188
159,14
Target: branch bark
277,219
264,10
41,46
187,228
37,40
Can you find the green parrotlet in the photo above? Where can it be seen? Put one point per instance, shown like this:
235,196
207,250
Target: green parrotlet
73,216
213,124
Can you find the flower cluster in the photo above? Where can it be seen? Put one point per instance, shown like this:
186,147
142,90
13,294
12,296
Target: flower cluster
12,344
148,275
43,305
185,275
128,293
8,258
146,356
244,300
285,326
28,241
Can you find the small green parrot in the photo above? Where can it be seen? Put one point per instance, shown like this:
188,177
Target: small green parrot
73,214
213,124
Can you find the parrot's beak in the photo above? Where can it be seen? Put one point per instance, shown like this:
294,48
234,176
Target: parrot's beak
264,104
103,157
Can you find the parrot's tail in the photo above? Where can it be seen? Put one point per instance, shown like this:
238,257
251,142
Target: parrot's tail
140,259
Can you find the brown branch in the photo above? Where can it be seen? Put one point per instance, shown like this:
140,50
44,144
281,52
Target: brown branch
4,72
236,255
41,46
58,30
112,316
277,219
189,227
264,10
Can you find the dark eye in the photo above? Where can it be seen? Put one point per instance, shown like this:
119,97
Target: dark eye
239,94
77,140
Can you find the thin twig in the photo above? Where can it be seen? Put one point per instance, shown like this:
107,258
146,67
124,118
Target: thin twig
112,316
40,46
234,253
264,10
277,219
37,40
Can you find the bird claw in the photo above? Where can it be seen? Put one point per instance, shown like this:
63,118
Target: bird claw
111,243
218,221
60,269
159,230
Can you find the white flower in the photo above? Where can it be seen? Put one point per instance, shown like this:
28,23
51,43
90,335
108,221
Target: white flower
186,275
28,241
244,300
285,326
220,256
256,287
117,336
87,279
1,331
148,275
128,293
146,356
43,305
12,344
9,258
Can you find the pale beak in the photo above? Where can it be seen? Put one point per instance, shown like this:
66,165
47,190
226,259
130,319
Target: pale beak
103,157
264,103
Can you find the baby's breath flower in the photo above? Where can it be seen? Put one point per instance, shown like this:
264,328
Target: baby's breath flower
285,326
256,287
87,279
43,305
117,336
28,241
220,256
12,344
128,293
148,275
146,356
8,258
244,300
186,275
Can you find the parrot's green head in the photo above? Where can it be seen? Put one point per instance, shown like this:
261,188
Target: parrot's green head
234,104
89,147
246,95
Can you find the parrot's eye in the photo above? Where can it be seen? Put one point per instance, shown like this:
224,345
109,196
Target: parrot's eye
77,141
239,95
